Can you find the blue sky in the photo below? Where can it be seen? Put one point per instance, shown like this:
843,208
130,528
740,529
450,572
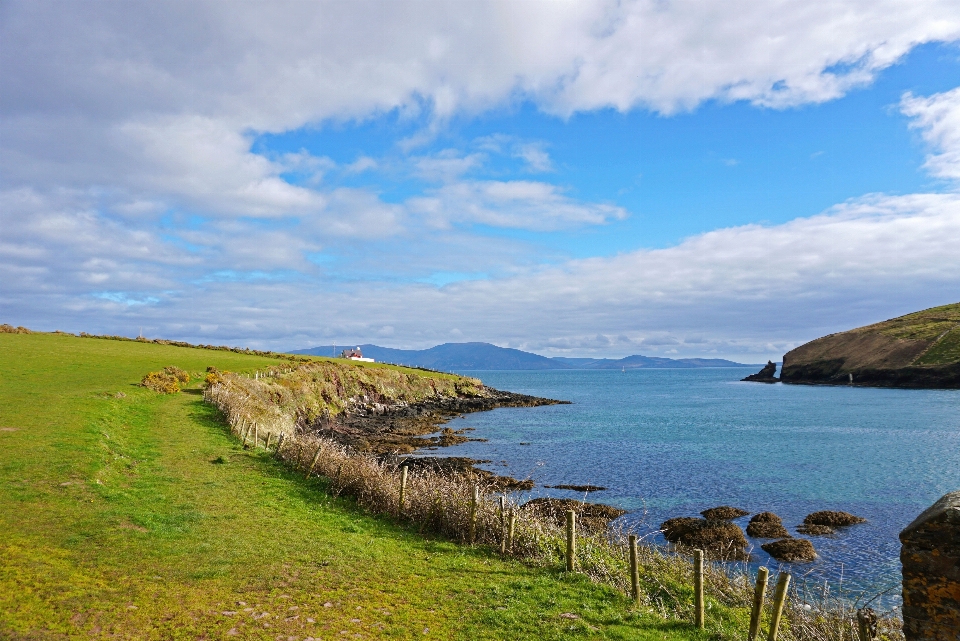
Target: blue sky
582,178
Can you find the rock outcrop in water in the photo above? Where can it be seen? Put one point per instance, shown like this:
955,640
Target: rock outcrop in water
766,375
832,518
724,513
767,525
593,516
917,350
791,550
719,539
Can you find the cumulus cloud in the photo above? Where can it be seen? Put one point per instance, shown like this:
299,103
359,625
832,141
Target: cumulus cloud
938,119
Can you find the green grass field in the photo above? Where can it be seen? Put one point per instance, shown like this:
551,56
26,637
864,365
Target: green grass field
116,521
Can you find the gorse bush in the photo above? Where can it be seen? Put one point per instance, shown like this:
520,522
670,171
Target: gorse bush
166,381
182,377
279,408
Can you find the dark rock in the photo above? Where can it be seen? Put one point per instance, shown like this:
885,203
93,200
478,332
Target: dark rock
791,550
577,488
766,517
593,516
832,519
719,539
930,555
766,375
723,513
767,530
812,529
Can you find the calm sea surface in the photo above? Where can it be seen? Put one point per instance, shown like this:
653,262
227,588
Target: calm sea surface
673,442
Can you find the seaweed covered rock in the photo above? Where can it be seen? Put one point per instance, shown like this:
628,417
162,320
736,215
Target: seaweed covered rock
832,518
812,529
724,513
593,516
767,525
766,517
720,539
791,550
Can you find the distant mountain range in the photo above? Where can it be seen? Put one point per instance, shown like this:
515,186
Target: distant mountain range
484,356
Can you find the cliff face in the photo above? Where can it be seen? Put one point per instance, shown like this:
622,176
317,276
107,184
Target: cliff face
917,350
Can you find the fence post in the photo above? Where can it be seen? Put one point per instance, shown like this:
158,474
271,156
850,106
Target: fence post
783,582
269,437
474,502
279,444
503,525
403,489
510,529
698,588
316,457
256,436
634,570
571,539
866,623
759,593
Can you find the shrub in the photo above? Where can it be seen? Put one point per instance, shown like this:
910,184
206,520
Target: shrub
182,377
10,329
161,382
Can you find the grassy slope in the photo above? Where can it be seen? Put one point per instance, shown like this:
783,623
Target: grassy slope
113,521
929,337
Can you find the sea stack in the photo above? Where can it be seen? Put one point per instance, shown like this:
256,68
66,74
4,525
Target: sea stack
766,375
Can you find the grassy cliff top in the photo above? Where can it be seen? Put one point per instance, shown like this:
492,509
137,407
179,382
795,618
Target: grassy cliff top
939,327
928,338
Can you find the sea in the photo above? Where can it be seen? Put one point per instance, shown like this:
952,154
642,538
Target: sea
673,442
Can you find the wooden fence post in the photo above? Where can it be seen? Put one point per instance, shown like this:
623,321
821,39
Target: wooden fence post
256,436
698,588
634,570
279,444
759,593
403,489
503,525
783,582
269,436
474,502
511,525
571,539
316,457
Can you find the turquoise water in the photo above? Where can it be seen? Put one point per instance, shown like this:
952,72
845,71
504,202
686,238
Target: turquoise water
673,442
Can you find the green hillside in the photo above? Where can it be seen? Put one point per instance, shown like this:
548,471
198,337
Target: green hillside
917,350
129,514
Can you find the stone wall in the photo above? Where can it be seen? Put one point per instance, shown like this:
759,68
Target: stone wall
930,555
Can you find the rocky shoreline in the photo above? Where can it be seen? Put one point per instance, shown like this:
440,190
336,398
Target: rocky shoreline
395,430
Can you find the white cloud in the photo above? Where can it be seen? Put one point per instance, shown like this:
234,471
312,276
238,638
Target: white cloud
938,118
519,204
114,116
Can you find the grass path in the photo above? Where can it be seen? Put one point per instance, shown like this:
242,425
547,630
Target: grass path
115,522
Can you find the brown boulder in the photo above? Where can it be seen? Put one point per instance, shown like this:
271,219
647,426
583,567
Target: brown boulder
723,513
766,517
720,539
832,519
594,516
812,529
791,550
767,530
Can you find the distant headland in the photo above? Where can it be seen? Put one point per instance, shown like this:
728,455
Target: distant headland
484,356
920,350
